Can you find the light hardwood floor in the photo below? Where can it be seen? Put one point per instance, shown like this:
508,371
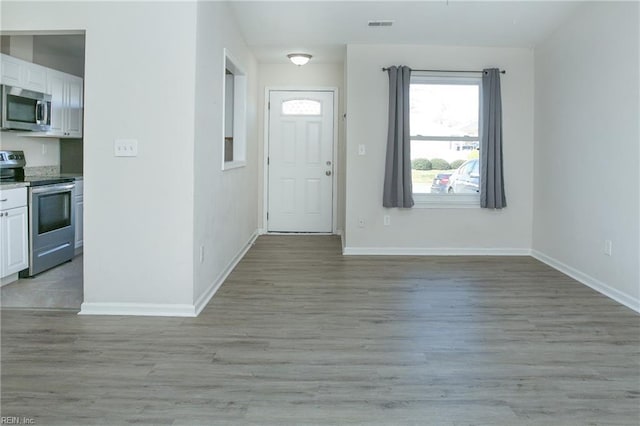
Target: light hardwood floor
302,335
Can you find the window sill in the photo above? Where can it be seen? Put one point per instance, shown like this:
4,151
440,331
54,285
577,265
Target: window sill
446,201
233,165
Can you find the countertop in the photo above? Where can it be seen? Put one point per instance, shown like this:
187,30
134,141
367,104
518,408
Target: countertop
12,185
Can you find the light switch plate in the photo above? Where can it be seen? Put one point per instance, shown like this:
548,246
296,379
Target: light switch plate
362,150
125,147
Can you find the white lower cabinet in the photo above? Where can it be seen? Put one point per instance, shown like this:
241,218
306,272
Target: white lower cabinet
14,237
79,210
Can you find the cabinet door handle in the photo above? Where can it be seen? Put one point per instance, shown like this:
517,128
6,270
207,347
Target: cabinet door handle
4,199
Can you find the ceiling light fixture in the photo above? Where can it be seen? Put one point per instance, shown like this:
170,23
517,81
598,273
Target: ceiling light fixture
299,58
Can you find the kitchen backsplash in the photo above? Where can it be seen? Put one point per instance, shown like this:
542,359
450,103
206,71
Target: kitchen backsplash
37,151
42,171
45,156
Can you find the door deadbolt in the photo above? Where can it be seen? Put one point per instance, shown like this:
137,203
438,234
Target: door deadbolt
328,173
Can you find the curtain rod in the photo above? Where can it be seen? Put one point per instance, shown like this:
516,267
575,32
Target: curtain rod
501,72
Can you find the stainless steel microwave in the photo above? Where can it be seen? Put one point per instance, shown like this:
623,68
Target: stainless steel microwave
24,109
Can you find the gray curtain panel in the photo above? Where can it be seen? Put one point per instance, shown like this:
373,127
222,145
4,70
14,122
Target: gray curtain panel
397,175
491,175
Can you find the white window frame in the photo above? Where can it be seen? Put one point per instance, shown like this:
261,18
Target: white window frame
239,111
428,200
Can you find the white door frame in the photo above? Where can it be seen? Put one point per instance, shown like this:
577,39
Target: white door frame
265,149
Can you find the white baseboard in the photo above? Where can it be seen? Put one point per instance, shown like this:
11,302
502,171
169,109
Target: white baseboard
424,251
138,309
204,299
589,281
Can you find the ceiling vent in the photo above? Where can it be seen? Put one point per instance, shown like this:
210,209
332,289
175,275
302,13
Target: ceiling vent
380,23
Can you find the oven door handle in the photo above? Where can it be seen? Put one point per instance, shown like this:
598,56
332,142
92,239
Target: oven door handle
51,188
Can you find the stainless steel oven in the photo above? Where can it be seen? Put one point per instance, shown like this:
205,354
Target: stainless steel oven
51,225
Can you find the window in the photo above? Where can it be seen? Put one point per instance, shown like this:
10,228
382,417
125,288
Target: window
228,115
234,114
301,107
445,143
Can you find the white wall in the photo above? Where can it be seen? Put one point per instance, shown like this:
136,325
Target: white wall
587,149
139,83
225,212
435,230
21,46
284,76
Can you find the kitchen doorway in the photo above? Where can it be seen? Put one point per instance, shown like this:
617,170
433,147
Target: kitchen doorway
58,155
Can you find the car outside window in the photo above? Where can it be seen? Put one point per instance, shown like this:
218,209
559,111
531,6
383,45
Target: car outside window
445,143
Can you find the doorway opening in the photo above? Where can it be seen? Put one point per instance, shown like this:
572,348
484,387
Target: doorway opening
60,58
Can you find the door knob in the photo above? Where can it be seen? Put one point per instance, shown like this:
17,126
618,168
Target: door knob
328,173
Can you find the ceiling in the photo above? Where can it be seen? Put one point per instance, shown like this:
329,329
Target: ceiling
274,28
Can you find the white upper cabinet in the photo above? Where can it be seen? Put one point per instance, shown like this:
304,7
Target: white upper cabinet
11,70
66,104
35,78
55,82
74,106
16,72
66,90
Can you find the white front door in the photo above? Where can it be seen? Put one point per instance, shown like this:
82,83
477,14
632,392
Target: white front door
300,161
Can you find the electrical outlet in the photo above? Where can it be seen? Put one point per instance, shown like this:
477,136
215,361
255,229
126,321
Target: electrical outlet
361,222
608,246
387,220
44,149
125,147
